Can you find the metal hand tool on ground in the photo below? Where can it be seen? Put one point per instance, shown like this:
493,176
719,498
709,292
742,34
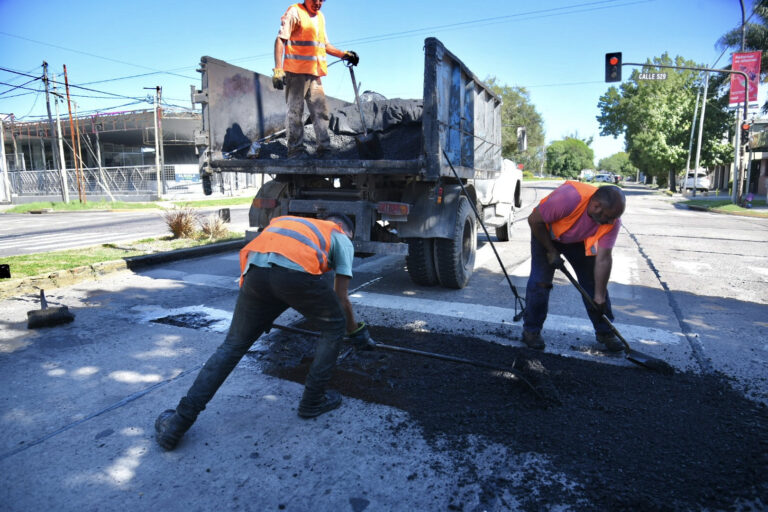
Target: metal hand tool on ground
368,145
431,355
48,317
632,355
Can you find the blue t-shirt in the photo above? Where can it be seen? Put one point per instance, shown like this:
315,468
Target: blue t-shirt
340,257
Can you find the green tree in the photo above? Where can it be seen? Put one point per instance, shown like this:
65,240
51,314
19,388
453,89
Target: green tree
755,38
517,110
655,117
618,163
568,157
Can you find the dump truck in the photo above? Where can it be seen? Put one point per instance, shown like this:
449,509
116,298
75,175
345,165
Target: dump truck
408,202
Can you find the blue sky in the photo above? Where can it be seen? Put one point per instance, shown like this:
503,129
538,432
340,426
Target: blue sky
555,48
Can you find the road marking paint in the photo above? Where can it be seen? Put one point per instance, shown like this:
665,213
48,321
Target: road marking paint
497,315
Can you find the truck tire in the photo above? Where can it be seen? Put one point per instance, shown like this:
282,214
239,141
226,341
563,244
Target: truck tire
455,257
503,233
421,261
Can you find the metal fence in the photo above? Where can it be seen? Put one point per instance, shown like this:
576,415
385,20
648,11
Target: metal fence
139,180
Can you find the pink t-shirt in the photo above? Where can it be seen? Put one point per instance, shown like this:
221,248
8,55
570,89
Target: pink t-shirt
561,203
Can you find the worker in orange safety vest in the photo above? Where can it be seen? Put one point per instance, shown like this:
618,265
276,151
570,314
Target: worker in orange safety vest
283,268
581,223
300,61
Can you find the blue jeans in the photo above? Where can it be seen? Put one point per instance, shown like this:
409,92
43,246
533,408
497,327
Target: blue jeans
540,284
265,294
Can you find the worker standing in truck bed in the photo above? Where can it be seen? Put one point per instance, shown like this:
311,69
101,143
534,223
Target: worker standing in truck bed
300,62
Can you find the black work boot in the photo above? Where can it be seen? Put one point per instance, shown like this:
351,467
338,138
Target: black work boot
170,427
316,400
314,404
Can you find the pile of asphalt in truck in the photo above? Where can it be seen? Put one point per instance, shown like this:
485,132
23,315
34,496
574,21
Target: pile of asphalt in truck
397,123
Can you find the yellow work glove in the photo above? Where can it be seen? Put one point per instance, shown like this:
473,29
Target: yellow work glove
278,78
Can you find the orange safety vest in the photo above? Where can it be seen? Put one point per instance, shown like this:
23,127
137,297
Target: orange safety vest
304,241
305,50
557,228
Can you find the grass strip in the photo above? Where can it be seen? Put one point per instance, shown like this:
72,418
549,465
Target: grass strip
30,265
726,206
78,206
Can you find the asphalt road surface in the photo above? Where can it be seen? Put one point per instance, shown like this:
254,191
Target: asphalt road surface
30,233
689,287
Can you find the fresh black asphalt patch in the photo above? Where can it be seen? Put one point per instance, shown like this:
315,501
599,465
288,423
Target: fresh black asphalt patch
632,439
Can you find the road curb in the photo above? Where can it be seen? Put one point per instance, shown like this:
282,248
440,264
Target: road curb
59,278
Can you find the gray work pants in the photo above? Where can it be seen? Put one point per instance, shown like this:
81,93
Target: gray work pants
265,294
298,89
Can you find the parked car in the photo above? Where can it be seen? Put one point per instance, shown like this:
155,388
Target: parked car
604,177
702,181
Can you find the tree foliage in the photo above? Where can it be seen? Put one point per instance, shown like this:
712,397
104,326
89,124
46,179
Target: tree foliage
755,38
618,163
517,110
568,157
656,116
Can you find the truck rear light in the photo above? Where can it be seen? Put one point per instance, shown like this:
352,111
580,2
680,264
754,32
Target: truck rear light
264,203
393,209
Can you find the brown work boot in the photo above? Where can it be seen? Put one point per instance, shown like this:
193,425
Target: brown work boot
533,340
611,342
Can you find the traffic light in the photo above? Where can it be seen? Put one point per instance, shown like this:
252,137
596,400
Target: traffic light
745,132
613,67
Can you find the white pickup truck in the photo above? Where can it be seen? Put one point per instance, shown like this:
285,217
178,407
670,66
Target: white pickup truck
501,196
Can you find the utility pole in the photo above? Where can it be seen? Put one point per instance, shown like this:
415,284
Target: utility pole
160,136
80,155
701,131
158,169
62,158
53,132
735,193
3,163
72,136
690,141
16,164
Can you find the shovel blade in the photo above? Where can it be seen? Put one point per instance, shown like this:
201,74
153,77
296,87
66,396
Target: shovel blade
369,146
652,363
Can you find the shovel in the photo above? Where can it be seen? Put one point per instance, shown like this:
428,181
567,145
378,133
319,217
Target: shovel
431,355
632,355
368,145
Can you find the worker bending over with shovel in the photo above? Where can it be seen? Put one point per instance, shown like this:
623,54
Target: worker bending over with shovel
581,223
300,60
283,267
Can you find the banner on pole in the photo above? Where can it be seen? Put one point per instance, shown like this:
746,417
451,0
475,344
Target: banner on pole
749,63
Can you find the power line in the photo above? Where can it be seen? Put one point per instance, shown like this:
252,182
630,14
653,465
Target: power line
14,87
535,14
90,54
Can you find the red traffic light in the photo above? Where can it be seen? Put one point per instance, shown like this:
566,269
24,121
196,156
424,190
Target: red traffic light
745,126
613,61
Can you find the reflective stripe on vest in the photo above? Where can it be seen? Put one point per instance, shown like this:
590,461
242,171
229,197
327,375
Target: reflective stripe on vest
304,241
557,228
305,50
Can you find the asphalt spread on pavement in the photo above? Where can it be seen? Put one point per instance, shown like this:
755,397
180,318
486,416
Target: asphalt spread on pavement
632,439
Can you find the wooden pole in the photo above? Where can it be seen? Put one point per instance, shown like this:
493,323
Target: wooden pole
72,136
62,158
80,156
